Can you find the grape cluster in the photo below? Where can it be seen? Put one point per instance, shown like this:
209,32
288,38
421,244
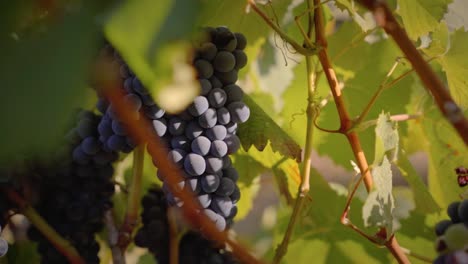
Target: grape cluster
112,132
154,235
75,191
462,174
453,234
202,137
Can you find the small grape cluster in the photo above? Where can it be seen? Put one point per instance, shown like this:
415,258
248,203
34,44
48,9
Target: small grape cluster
202,137
452,241
112,132
75,191
462,174
154,235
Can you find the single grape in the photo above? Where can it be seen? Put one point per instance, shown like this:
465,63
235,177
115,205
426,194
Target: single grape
217,132
463,211
235,196
116,142
177,156
231,173
234,93
147,100
213,164
207,51
124,71
208,119
452,211
227,162
223,115
102,105
201,145
231,128
133,101
193,130
118,128
222,205
456,236
241,59
138,87
227,78
204,68
217,97
194,164
199,106
241,41
226,187
215,82
204,199
154,112
193,184
176,126
225,39
180,142
441,226
218,148
210,182
217,219
239,111
205,86
233,143
160,126
224,61
90,145
79,156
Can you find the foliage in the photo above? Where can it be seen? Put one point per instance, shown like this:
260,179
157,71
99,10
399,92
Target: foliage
48,51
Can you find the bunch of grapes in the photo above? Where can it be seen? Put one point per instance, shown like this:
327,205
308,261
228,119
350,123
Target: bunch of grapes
75,191
154,235
112,132
452,241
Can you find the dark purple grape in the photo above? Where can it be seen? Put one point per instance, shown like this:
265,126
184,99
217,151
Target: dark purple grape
224,61
218,148
233,143
177,156
223,115
226,187
118,128
452,212
227,78
217,97
231,173
213,164
442,226
201,145
207,51
160,126
222,205
154,112
234,93
199,106
205,86
241,59
231,128
217,132
180,142
241,41
133,101
239,111
209,183
208,119
194,164
176,126
90,146
204,68
193,130
204,199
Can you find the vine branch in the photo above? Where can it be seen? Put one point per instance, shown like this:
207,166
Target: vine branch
346,124
134,197
62,245
385,19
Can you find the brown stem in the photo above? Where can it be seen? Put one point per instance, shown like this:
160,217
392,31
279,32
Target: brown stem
173,237
445,102
62,245
346,124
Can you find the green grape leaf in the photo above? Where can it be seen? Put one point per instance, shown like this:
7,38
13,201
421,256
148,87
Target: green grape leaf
153,38
442,145
439,41
261,129
423,199
387,139
455,67
46,76
421,16
359,14
21,252
378,207
146,258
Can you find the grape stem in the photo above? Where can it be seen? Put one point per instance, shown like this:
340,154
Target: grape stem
134,197
345,126
304,186
138,130
385,19
61,244
173,236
